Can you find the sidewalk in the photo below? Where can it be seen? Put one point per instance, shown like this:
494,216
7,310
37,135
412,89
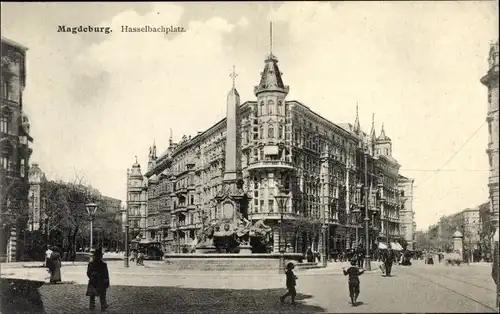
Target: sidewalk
335,268
108,257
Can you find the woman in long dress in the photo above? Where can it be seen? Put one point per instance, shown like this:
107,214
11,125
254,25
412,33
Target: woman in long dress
55,275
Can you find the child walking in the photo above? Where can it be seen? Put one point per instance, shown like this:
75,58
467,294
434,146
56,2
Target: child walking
354,272
98,274
290,283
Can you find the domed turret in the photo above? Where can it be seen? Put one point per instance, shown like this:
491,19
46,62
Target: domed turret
383,137
35,174
136,170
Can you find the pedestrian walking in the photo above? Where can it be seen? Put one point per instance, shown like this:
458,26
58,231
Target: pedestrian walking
389,259
47,263
97,271
353,272
55,266
291,282
48,253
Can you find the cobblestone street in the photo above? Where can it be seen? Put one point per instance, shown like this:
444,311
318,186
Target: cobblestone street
420,288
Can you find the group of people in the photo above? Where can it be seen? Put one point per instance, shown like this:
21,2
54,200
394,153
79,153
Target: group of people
138,257
97,272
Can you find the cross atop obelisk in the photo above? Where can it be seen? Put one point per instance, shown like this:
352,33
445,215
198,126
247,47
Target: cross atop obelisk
233,76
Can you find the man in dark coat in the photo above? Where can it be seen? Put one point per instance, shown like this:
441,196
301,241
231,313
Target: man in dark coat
388,260
360,256
98,274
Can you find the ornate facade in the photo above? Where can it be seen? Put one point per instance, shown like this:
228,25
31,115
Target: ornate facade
136,210
406,212
490,80
277,143
15,141
36,178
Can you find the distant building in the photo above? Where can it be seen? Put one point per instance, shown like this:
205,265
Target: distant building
136,202
406,212
467,221
36,178
471,227
490,80
15,141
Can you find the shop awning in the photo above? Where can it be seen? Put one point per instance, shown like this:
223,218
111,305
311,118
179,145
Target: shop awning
382,246
396,246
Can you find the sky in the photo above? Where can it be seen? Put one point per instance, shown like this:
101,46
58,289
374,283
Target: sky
97,100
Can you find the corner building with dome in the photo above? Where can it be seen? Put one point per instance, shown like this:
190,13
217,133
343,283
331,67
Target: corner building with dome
276,143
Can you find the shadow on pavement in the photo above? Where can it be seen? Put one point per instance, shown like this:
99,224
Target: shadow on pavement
20,296
23,296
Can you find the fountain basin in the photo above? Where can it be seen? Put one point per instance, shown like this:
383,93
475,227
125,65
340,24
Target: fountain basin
228,262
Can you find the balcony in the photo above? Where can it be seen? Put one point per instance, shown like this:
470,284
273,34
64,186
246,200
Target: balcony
273,215
269,164
180,208
181,190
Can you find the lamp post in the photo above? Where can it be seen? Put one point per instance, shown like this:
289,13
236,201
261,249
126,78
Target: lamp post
368,265
281,199
356,214
91,209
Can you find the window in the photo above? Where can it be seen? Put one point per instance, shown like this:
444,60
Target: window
5,162
5,122
280,131
271,206
278,109
4,89
270,105
261,132
261,108
270,131
22,168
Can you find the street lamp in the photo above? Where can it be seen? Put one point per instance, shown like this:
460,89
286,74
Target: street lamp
91,209
127,251
281,200
368,265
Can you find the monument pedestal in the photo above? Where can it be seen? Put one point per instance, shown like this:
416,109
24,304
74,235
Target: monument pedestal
205,249
245,249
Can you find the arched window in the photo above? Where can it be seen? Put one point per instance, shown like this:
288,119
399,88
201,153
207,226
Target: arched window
270,106
255,109
261,108
279,109
270,131
280,131
261,133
